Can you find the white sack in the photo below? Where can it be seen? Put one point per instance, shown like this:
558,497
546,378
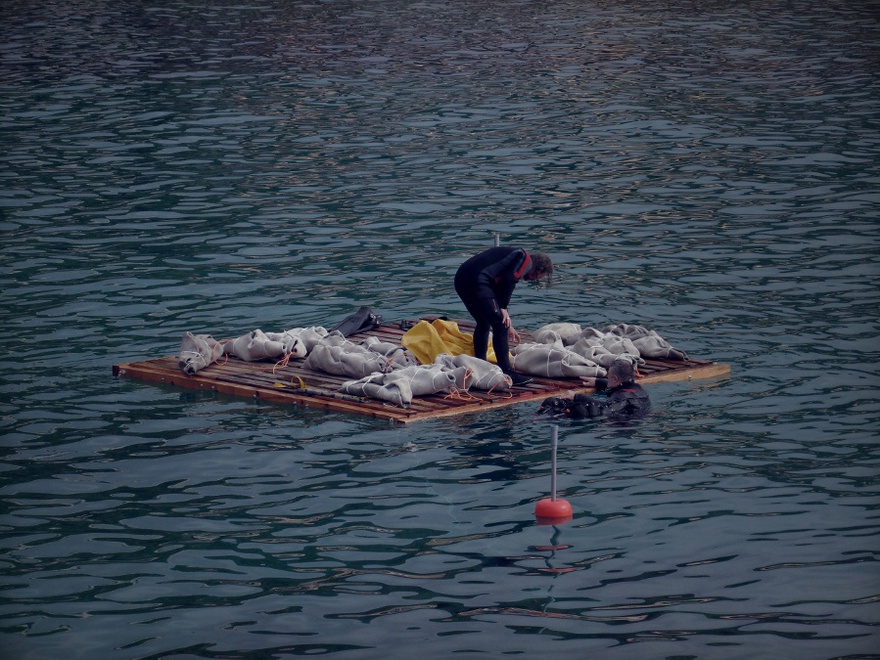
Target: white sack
373,386
553,361
197,352
255,345
337,355
647,342
612,343
298,342
593,352
401,385
479,374
394,353
569,333
308,337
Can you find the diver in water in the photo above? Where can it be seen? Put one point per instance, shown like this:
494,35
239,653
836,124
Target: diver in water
485,283
622,398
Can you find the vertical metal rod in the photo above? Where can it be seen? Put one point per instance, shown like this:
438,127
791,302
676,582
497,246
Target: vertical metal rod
554,439
497,239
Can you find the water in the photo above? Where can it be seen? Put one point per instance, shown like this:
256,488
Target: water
709,170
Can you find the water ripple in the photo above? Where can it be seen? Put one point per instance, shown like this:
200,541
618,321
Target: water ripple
711,174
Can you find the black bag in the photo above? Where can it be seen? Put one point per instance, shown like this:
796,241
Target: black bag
361,321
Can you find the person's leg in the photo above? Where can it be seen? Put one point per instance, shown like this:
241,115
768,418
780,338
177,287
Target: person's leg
481,339
488,317
501,345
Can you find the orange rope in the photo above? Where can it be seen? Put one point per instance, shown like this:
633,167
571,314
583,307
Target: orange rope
283,362
460,395
224,353
509,395
503,395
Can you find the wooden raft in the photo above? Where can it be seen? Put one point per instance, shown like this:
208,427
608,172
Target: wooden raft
321,390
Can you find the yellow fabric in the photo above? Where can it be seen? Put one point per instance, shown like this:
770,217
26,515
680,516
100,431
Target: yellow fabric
428,340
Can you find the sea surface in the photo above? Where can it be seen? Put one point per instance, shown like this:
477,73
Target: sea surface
709,170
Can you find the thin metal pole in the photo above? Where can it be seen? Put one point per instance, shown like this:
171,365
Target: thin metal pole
497,239
554,439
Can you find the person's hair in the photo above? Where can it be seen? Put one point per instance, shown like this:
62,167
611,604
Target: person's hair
623,370
542,267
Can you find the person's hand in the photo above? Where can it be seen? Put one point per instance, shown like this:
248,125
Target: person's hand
512,334
588,381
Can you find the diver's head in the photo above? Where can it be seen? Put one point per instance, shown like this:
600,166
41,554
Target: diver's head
542,268
621,372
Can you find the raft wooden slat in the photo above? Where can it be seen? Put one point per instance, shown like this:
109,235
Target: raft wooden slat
256,380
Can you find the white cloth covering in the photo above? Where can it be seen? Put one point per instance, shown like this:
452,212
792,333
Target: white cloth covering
197,352
299,342
255,345
553,361
337,355
401,385
478,374
601,346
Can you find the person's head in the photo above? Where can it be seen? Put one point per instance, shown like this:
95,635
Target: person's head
621,372
542,268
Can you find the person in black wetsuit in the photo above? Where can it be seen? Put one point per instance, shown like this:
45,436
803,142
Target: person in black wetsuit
622,399
485,283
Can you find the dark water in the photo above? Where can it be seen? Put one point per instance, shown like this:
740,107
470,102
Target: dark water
707,169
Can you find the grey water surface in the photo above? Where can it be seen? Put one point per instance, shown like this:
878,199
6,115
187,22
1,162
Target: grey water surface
706,169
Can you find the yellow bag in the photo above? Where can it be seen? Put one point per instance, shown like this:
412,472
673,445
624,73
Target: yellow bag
428,340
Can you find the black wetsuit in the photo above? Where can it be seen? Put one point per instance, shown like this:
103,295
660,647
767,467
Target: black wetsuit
626,401
485,283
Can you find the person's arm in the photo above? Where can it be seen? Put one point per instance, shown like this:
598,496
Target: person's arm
601,384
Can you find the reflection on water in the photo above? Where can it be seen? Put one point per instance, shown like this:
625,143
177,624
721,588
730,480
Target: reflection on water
706,171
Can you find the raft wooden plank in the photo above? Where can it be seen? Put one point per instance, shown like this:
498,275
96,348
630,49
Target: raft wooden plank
264,381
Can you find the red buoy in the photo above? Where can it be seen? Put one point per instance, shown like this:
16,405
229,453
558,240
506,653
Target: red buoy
553,510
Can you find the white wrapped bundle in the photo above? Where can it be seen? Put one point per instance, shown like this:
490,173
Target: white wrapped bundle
553,361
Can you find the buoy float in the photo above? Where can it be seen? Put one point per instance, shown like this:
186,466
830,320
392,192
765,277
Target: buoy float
553,510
